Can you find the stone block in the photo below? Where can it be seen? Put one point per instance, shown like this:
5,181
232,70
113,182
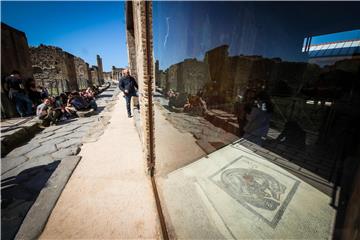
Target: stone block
71,142
23,150
87,113
10,163
45,202
42,151
62,153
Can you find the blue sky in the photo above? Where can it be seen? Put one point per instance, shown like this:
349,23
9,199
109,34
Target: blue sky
182,29
270,29
84,29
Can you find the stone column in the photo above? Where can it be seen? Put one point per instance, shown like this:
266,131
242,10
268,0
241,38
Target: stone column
100,69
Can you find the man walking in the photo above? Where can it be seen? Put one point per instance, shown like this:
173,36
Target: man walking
129,87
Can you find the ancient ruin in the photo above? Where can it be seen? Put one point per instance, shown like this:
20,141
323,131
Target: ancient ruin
82,73
50,66
61,71
116,73
14,55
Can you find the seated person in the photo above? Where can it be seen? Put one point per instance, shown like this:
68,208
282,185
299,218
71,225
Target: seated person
33,93
90,93
47,114
13,86
79,103
44,92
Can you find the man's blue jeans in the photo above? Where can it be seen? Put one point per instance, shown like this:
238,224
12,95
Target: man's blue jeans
22,101
128,102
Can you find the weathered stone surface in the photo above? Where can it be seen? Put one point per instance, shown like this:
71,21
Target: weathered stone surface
82,121
71,142
23,150
9,163
44,135
14,55
65,152
87,113
93,137
51,129
12,139
54,141
42,151
34,162
56,135
67,128
76,134
46,200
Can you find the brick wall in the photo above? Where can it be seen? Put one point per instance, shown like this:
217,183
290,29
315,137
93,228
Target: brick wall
140,55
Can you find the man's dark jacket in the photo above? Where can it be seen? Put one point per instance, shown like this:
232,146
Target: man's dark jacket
128,83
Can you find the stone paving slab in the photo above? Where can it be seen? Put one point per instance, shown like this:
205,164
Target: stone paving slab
47,199
14,138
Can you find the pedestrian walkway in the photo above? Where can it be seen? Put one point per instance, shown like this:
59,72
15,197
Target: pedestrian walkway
109,194
28,170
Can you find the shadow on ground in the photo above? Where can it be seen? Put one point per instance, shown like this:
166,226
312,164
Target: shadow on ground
18,195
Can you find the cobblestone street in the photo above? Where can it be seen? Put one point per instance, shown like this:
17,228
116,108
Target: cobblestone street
25,169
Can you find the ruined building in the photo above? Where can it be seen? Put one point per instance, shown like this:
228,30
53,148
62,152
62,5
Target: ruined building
82,73
14,56
228,76
54,69
107,76
50,66
116,73
100,69
61,71
94,73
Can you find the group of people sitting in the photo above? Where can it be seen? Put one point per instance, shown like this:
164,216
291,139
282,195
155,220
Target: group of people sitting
30,100
65,106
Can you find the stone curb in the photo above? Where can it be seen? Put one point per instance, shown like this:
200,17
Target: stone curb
14,138
38,215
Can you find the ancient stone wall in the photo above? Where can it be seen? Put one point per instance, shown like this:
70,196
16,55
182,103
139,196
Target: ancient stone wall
95,76
173,78
226,77
14,56
116,73
14,52
50,68
194,75
71,71
107,76
82,73
90,82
